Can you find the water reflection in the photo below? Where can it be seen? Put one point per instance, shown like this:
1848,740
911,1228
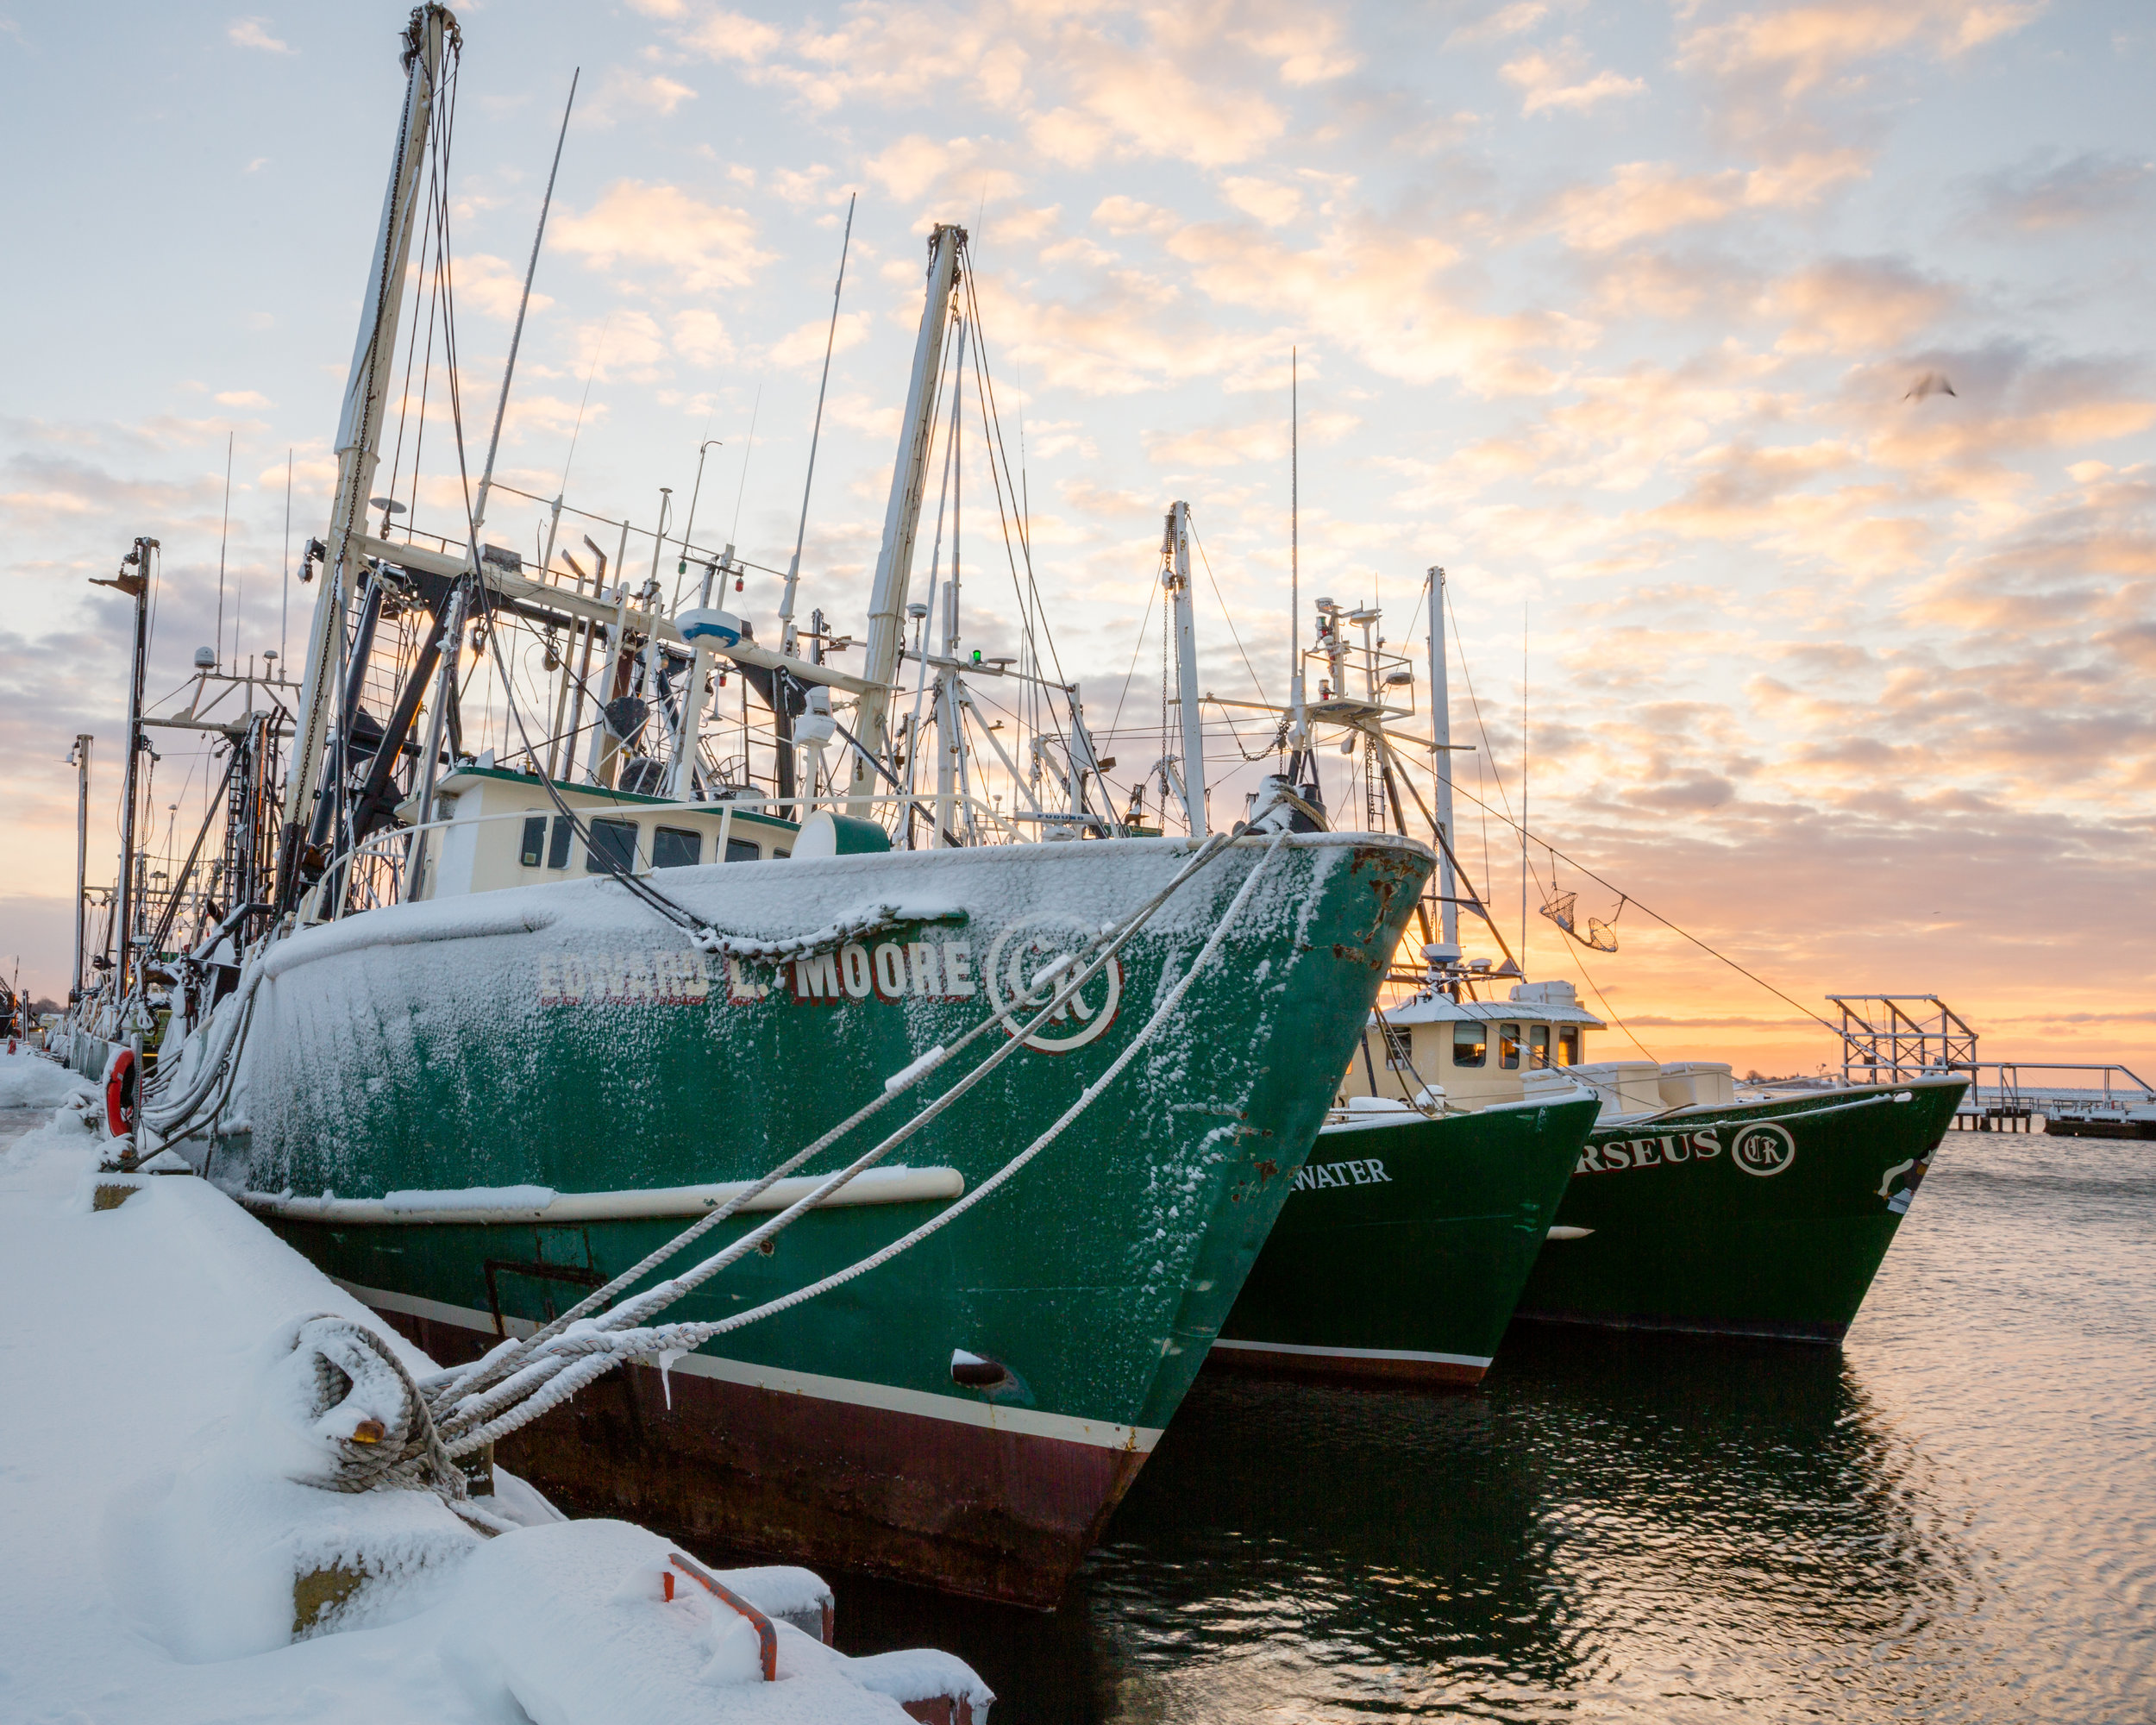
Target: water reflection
1659,1523
1937,1522
1655,1520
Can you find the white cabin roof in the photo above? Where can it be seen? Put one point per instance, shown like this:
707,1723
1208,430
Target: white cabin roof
1530,1003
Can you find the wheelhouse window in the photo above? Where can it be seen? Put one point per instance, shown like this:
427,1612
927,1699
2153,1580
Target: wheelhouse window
1509,1047
1537,1045
676,847
614,846
1398,1047
1470,1044
558,844
1568,1044
743,850
535,842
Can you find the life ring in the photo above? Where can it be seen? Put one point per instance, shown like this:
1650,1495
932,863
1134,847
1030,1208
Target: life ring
120,1093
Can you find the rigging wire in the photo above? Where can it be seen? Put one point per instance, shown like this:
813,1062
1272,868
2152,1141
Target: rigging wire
1028,593
1233,633
994,416
224,535
741,490
283,612
1633,899
1527,837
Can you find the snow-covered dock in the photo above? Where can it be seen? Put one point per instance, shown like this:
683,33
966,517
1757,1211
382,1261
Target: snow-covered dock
168,1560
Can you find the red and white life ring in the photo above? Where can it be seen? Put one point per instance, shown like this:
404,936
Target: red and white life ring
120,1084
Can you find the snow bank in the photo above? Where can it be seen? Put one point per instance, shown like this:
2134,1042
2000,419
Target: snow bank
574,1623
218,1559
30,1080
164,1566
74,1126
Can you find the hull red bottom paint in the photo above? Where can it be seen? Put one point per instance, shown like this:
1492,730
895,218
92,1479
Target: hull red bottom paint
995,1514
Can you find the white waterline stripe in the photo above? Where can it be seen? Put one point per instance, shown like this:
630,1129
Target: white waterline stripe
1357,1353
1029,1422
875,1186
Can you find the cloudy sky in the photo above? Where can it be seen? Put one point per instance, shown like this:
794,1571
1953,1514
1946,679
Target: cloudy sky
1621,311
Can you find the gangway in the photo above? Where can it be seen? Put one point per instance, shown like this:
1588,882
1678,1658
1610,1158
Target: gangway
1890,1039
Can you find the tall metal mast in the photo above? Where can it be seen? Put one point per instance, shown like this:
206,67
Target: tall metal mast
431,37
1298,716
1441,762
133,580
950,736
902,518
1193,788
79,757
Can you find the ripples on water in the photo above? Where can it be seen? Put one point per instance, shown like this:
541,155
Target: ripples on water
1953,1518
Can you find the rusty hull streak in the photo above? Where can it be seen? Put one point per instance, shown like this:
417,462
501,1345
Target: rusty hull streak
1390,868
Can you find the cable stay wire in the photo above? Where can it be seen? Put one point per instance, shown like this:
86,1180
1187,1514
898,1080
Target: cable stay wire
1528,839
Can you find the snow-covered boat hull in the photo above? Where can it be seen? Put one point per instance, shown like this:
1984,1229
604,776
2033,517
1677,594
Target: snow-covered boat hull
562,1048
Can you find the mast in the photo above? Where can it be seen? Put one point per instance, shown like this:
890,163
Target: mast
950,736
1298,719
1441,764
902,518
1193,788
134,579
79,757
431,36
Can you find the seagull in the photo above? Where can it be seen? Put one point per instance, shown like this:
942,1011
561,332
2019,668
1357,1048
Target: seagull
1932,383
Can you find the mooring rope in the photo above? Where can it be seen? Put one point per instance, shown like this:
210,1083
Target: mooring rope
502,1360
596,1351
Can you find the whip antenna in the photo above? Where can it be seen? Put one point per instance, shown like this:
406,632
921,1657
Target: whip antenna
794,569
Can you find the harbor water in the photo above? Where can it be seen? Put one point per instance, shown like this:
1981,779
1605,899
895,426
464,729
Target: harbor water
1954,1517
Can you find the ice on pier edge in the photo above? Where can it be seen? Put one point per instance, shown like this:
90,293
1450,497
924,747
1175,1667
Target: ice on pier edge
150,1539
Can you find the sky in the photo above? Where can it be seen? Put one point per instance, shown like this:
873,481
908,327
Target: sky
1773,381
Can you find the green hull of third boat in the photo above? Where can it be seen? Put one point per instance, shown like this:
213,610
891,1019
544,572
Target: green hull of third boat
1405,1243
1769,1220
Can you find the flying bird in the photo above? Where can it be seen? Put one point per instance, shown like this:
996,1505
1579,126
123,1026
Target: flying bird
1932,383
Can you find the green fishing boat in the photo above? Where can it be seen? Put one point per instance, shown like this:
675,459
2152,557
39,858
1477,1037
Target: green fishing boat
473,1110
984,1103
1406,1240
1696,1203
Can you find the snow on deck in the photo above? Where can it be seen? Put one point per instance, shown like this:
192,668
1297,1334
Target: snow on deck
149,1550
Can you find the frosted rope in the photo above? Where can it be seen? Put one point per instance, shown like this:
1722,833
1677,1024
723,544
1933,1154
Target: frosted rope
499,1359
597,1351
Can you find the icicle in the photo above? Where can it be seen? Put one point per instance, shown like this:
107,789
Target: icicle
667,1357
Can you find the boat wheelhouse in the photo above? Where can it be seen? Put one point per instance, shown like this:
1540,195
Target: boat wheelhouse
496,828
1473,1052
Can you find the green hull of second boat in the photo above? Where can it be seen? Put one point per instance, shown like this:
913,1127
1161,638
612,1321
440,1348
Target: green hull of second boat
1406,1258
1767,1218
1405,1243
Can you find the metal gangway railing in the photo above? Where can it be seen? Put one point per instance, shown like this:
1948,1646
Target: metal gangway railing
2014,1098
